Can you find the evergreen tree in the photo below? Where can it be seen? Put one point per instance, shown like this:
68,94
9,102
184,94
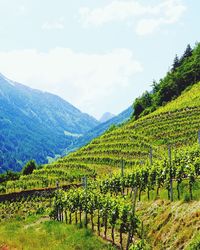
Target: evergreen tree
29,167
187,53
155,86
176,63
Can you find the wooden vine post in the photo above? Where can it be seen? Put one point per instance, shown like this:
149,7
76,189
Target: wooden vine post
132,226
122,168
122,174
151,156
171,172
84,181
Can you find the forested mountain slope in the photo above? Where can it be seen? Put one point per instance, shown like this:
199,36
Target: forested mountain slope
35,124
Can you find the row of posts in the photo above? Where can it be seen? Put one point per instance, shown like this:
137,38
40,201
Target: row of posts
85,183
84,179
170,164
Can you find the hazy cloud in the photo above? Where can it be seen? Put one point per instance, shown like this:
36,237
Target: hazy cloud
86,80
145,18
57,24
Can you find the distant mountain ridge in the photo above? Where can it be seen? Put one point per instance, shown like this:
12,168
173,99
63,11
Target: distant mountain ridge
106,116
35,124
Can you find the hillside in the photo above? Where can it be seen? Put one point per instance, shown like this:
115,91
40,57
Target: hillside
118,168
131,197
166,226
35,124
177,124
99,130
184,72
171,226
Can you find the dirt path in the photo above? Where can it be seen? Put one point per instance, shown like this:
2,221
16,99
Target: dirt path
42,219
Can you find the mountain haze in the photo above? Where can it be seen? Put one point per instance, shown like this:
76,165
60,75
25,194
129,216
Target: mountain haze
106,116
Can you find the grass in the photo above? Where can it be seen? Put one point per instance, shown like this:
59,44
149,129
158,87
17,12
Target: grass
171,225
51,235
195,243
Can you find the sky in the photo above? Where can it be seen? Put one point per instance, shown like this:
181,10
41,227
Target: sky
98,55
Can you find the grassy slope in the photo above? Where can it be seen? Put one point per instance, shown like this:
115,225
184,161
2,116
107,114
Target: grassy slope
36,233
170,226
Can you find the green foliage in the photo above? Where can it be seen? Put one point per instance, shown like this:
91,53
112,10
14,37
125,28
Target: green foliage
29,167
140,245
9,176
195,244
23,207
111,128
142,103
111,212
186,198
185,72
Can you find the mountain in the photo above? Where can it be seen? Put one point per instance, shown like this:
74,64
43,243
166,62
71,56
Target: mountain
99,129
143,174
106,116
35,124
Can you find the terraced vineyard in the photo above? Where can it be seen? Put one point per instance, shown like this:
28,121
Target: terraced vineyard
51,176
23,207
155,157
176,124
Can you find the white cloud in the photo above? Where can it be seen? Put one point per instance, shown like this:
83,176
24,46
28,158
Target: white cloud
57,24
170,12
148,17
117,10
22,9
89,81
148,26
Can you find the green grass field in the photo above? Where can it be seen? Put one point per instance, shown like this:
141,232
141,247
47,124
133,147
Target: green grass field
39,233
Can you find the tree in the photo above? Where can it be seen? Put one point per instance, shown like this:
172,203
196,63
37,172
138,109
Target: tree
142,103
138,108
29,167
187,53
155,86
176,63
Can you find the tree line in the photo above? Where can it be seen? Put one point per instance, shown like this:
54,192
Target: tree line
185,72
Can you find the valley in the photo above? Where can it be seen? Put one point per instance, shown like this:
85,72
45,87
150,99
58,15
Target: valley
135,186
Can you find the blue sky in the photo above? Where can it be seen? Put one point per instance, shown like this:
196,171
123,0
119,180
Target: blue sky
98,55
